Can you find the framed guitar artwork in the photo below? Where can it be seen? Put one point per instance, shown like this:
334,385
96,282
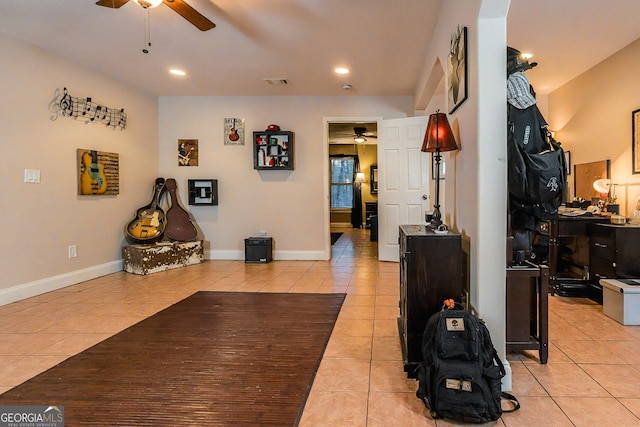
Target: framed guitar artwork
187,152
98,172
233,131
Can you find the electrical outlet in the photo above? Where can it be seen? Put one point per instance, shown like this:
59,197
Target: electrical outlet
72,251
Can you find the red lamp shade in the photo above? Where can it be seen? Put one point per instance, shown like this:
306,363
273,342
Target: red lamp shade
439,136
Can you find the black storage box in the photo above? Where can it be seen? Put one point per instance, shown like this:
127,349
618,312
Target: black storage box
258,249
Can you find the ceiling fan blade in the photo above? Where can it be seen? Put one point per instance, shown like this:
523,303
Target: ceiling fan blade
190,14
114,4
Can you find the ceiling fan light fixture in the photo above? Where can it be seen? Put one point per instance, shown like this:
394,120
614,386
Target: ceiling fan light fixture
359,138
149,4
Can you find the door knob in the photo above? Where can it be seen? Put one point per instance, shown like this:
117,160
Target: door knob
425,197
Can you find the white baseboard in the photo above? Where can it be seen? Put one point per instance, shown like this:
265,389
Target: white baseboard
507,381
38,287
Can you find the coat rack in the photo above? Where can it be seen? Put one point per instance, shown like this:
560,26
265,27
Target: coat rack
84,108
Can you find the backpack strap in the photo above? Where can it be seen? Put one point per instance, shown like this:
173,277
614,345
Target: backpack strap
510,397
506,396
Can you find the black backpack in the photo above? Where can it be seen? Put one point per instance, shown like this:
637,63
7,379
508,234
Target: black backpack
460,378
537,172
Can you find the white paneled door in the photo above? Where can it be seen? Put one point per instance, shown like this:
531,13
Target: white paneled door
403,180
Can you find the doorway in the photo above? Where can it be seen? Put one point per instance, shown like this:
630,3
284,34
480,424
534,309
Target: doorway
351,147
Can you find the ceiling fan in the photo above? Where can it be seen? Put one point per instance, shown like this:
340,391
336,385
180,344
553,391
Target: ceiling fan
360,134
179,6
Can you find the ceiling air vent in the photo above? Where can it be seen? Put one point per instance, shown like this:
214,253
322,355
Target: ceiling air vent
277,82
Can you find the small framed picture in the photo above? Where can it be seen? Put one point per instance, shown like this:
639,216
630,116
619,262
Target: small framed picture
233,131
187,152
567,160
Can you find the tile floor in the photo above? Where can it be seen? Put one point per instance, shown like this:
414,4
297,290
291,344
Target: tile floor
592,378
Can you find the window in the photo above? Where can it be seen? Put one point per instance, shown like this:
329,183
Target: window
341,182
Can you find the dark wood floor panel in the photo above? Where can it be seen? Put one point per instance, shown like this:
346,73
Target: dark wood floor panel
214,358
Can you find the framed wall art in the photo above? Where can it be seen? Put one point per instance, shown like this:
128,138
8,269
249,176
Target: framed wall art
187,152
585,175
373,179
635,144
233,131
98,172
457,69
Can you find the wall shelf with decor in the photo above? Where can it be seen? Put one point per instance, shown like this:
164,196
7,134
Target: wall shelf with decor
273,150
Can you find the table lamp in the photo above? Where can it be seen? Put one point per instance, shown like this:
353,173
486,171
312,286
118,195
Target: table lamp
438,138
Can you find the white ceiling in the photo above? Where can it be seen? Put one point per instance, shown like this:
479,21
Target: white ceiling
383,42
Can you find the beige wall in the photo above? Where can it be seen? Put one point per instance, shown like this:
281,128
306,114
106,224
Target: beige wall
288,205
475,191
40,221
592,118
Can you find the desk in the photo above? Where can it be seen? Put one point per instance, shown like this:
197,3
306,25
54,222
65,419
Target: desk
561,282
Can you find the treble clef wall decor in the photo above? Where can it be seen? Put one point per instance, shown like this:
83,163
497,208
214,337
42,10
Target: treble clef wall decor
84,108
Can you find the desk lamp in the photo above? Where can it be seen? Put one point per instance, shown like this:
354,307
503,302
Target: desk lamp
607,191
438,138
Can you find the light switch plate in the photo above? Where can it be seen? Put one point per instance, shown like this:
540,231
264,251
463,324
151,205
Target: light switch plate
32,176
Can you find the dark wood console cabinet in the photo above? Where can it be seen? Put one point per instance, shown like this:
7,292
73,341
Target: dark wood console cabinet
430,272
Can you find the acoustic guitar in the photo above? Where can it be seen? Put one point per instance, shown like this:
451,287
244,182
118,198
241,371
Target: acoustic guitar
179,226
93,179
149,224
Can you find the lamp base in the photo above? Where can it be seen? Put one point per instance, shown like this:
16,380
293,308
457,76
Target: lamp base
436,219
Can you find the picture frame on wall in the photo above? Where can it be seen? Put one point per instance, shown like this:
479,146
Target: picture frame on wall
98,172
567,160
187,152
373,179
457,69
635,141
233,131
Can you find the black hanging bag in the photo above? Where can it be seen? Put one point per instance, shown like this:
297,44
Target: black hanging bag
460,378
537,172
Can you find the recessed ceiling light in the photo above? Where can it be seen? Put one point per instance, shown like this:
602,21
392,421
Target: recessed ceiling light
177,72
342,70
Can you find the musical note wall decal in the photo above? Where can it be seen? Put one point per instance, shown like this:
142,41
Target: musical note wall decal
69,106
